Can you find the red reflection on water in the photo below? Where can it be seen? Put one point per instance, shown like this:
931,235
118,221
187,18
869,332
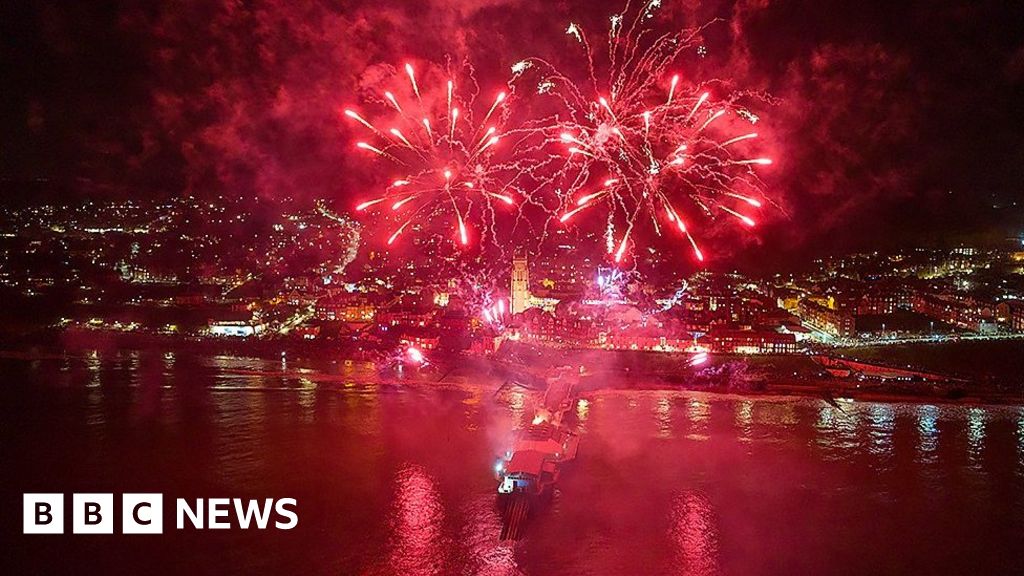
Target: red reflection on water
418,543
488,555
695,534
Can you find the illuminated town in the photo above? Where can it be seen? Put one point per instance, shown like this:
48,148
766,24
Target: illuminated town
118,260
306,283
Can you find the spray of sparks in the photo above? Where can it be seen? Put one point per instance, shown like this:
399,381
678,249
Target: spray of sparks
447,165
644,141
495,313
478,292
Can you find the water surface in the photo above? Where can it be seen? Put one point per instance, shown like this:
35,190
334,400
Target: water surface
396,479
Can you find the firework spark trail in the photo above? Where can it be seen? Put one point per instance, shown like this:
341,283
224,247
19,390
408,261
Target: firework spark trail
448,166
494,313
664,146
482,296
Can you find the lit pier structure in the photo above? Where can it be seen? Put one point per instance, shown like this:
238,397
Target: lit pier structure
528,472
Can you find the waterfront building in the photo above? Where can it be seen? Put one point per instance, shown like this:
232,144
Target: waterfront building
750,342
235,328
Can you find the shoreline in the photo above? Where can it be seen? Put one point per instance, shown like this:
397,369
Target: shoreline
759,377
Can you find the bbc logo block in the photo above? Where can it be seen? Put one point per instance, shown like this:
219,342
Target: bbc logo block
142,514
43,514
92,513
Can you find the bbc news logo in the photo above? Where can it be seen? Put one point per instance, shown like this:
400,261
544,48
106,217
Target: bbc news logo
144,513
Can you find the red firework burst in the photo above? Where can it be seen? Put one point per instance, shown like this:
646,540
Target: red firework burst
644,143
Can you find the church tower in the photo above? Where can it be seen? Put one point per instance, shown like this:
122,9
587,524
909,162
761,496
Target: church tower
520,284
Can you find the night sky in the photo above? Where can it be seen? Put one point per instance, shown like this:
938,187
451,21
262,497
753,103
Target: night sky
892,123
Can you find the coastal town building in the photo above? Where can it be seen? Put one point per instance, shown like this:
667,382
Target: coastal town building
1017,317
345,309
968,314
751,342
836,323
